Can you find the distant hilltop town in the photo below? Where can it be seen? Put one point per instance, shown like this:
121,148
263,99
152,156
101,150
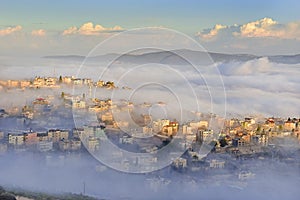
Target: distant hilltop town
54,82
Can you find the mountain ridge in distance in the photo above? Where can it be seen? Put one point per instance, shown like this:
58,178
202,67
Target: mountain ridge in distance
171,57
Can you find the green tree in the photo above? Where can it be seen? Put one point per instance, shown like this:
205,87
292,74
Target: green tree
7,196
60,80
1,190
258,128
280,127
223,142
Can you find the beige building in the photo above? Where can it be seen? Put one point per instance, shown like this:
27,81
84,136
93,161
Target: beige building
38,82
289,125
88,132
107,117
77,81
16,139
56,135
13,83
24,83
69,145
79,104
78,132
1,135
92,144
159,124
67,79
50,81
201,124
147,130
100,83
43,136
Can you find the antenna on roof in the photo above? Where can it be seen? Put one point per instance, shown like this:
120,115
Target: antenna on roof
54,73
83,187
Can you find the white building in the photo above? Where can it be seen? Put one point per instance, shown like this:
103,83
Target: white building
79,104
77,81
200,124
147,130
187,130
216,164
44,146
159,124
180,163
244,175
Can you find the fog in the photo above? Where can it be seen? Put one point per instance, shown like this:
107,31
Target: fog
274,179
268,88
255,87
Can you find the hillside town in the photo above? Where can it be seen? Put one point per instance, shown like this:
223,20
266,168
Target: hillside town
46,126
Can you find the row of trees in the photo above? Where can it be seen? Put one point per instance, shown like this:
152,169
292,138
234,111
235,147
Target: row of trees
4,195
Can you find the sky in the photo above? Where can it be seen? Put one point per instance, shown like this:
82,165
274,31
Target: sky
73,27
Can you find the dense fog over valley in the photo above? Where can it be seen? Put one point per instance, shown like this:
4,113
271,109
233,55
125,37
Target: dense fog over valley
268,88
256,87
32,172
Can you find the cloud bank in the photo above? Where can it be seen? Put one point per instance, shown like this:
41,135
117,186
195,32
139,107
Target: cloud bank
39,32
90,29
254,87
10,30
264,36
266,27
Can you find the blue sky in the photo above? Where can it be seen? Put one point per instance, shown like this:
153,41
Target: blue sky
188,17
182,15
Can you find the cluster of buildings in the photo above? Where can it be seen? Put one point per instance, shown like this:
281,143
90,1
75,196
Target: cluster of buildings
32,140
239,137
53,140
248,134
54,82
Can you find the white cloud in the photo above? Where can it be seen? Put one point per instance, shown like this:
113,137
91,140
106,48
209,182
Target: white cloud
39,32
70,31
267,27
262,28
211,33
10,30
251,67
90,29
293,30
